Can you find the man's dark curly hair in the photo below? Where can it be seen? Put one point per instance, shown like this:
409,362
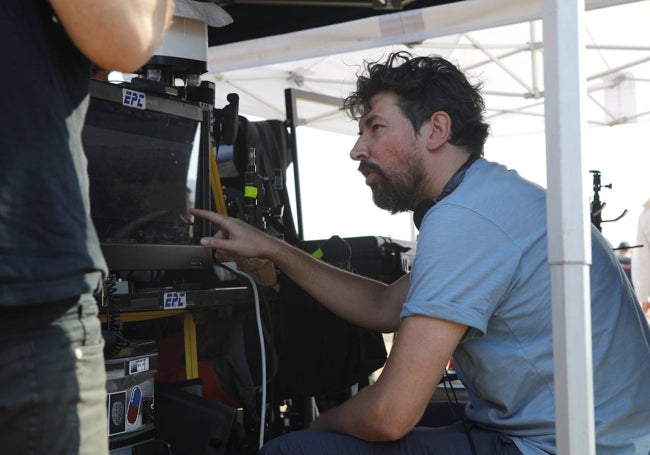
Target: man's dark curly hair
425,85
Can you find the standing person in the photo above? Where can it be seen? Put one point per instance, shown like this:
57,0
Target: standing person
624,255
480,287
640,261
52,380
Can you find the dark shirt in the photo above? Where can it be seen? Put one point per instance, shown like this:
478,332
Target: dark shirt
48,246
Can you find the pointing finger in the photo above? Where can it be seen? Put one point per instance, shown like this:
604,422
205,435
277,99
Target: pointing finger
208,215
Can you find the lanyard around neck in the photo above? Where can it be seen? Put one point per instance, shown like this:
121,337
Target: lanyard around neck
424,206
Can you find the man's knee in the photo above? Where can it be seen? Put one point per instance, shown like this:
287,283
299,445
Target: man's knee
288,443
306,442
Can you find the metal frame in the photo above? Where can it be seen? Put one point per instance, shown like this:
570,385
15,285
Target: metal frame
291,97
374,4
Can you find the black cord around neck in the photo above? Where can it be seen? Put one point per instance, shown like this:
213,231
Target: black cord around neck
424,206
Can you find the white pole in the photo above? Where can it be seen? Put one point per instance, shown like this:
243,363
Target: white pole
569,240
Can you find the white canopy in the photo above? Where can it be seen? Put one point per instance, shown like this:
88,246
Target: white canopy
397,28
496,42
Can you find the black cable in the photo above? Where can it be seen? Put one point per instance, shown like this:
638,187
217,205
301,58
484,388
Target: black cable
466,424
114,341
260,329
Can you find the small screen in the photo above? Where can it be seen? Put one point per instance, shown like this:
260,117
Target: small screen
142,166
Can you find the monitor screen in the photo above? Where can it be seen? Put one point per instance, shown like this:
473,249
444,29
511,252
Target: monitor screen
147,164
142,166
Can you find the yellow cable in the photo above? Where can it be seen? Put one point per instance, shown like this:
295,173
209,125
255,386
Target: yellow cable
215,183
191,350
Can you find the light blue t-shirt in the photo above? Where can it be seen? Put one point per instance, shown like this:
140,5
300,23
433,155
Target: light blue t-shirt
481,261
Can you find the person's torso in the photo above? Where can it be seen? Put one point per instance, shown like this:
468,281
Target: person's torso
497,223
48,246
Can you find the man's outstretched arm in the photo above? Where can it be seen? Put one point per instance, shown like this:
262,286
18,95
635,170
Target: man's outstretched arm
390,408
360,300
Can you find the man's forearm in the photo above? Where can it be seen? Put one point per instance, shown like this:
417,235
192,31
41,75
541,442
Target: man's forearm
360,300
117,34
357,299
359,417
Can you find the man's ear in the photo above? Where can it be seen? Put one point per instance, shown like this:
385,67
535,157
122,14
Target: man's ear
440,129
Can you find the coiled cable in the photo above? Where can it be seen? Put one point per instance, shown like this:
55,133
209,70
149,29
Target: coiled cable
113,339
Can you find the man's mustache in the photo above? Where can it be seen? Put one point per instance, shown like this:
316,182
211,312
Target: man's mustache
367,166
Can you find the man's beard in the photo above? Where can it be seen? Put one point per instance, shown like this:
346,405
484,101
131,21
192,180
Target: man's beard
400,193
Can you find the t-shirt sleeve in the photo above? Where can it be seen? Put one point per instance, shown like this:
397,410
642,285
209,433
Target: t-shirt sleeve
463,268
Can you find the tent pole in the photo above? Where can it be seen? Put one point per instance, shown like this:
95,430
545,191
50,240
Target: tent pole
569,240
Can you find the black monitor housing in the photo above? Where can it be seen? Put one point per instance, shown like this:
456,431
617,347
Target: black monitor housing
147,162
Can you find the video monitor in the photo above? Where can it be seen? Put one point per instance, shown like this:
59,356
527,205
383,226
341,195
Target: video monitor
146,164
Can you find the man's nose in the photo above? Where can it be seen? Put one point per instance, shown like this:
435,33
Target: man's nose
359,151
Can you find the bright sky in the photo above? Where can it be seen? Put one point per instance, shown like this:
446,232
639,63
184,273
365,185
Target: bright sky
336,200
617,152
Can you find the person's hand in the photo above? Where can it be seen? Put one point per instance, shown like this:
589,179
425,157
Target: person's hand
235,238
244,243
646,308
262,271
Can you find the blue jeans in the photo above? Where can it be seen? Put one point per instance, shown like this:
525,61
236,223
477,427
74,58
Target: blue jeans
52,379
449,440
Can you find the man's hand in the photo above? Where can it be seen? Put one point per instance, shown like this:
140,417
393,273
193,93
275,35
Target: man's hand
242,242
262,271
646,309
235,238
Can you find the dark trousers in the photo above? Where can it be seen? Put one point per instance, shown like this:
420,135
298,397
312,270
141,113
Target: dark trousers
52,380
449,440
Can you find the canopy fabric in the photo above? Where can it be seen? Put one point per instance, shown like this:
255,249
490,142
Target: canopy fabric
395,28
486,38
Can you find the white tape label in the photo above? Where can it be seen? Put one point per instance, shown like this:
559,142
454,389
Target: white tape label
174,300
132,98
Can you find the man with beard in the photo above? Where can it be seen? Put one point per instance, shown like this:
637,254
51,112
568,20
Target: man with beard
52,372
479,288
